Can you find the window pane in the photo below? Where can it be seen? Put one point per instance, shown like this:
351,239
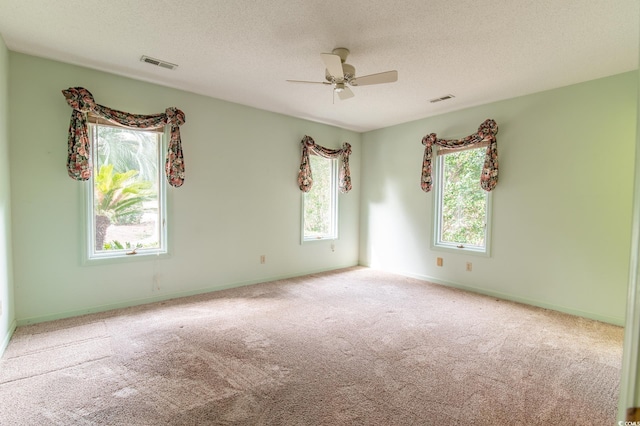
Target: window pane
463,203
320,202
127,211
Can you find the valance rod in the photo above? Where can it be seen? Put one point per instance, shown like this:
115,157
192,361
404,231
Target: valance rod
305,177
79,150
485,136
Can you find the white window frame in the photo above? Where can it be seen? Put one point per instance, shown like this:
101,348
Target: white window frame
333,233
436,242
91,256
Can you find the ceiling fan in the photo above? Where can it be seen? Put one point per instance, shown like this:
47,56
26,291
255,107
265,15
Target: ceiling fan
341,75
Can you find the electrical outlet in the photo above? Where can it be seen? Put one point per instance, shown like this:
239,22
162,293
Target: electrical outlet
439,261
469,266
263,259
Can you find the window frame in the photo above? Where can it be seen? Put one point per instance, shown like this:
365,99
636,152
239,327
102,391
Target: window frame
436,243
334,234
90,256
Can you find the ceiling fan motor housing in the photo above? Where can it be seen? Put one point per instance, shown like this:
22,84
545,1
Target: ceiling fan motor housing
341,75
348,70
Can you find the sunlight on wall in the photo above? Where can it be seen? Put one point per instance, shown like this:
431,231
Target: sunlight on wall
561,212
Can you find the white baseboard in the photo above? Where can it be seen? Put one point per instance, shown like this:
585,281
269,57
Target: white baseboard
514,298
505,296
7,337
167,296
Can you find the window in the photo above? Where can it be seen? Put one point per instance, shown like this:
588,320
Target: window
320,204
462,207
126,192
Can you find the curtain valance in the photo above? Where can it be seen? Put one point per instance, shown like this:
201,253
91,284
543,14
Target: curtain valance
305,178
486,134
79,151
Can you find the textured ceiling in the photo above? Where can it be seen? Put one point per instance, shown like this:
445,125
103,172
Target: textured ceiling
244,50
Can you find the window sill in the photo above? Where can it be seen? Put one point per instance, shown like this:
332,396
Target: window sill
311,240
450,248
124,258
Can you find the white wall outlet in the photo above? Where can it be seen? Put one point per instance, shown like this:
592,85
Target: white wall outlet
263,259
469,266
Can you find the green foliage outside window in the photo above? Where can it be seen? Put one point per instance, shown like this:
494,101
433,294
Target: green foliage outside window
117,194
125,180
464,202
128,150
319,201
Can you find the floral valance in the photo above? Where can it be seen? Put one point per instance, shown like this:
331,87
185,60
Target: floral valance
79,151
486,135
305,178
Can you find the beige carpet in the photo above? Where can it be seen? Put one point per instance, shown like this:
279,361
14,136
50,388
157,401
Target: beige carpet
350,347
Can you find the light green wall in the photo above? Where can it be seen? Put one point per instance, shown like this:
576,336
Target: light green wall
7,317
240,199
630,372
561,210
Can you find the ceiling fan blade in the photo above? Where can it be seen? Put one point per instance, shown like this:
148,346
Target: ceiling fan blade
345,93
383,77
312,82
333,64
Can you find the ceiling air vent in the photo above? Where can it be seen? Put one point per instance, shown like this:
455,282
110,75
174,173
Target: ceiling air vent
441,98
158,62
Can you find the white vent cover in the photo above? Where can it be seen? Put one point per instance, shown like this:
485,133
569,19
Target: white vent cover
158,62
441,98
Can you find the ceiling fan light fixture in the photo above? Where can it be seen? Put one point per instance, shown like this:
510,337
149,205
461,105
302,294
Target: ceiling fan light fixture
341,75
